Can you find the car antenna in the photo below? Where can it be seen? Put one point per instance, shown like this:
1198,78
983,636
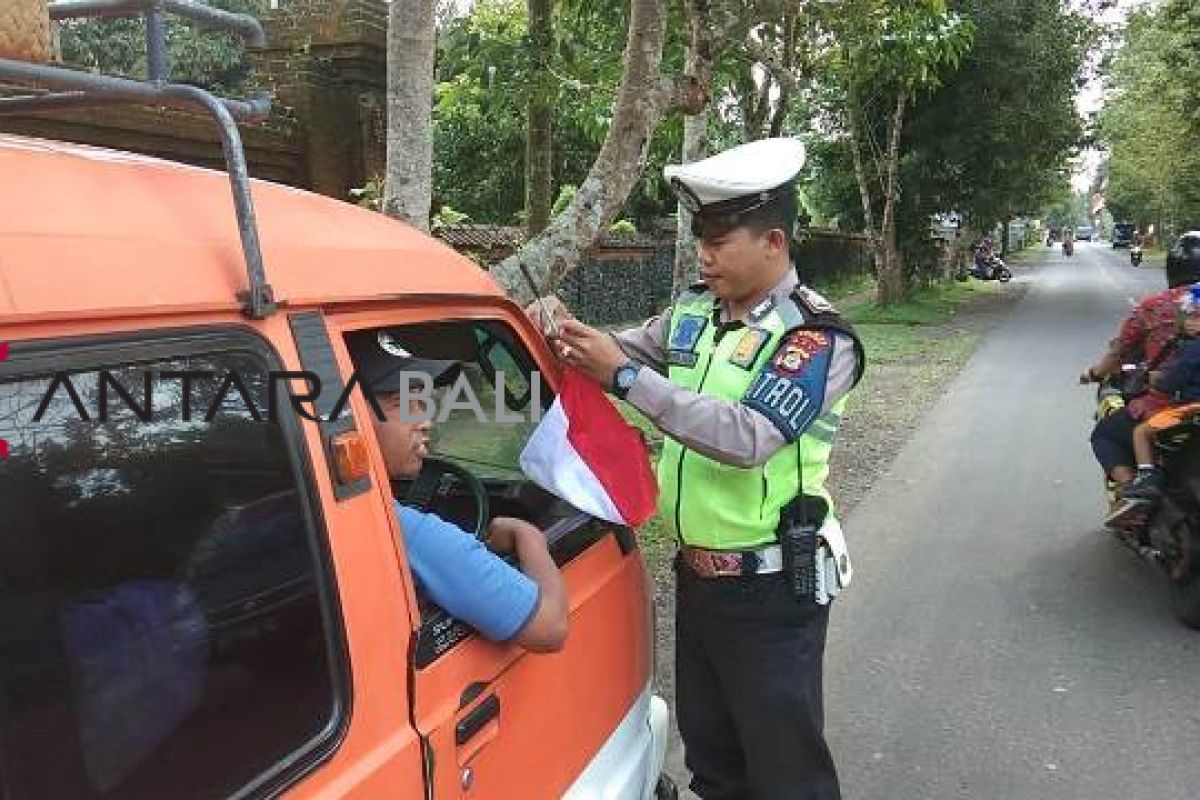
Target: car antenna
547,318
70,88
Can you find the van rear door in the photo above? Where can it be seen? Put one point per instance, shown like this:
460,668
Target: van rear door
497,721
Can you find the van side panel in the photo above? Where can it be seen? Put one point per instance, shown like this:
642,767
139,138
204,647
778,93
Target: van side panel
556,711
379,754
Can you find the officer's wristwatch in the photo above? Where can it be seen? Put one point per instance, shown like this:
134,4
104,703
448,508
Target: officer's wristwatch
624,377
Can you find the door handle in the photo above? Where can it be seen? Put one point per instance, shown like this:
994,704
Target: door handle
476,719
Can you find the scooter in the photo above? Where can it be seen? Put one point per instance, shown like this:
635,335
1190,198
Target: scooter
1167,534
1135,255
991,268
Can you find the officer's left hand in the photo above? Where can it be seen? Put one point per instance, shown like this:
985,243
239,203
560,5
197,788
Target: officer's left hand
592,352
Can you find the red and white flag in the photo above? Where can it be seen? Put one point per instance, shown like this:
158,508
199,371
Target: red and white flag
585,452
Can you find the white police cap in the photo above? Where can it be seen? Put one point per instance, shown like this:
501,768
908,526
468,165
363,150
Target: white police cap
737,179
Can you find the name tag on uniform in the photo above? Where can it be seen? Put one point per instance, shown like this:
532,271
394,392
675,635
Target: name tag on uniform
681,349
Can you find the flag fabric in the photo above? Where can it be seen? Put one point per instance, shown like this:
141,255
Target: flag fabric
584,452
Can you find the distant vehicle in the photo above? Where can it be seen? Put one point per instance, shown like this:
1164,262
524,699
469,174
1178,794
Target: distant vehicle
1123,234
1083,233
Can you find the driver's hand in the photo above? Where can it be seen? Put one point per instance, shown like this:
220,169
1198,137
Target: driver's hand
502,533
1085,377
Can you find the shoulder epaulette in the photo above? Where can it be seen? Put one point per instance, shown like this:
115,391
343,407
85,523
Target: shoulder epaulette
813,301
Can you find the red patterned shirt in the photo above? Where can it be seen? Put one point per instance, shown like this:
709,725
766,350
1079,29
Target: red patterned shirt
1149,327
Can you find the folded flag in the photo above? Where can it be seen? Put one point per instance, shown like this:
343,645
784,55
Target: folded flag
585,452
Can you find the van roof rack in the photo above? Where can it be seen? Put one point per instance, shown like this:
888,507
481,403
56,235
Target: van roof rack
70,89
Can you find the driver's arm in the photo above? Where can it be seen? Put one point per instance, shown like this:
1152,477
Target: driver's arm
475,585
546,630
1129,339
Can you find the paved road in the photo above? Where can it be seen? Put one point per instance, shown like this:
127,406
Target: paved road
996,643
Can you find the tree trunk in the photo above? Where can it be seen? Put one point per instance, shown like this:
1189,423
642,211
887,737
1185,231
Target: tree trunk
893,282
786,89
408,180
539,177
695,147
864,186
644,97
1004,224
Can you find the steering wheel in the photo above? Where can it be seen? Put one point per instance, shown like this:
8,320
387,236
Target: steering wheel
435,479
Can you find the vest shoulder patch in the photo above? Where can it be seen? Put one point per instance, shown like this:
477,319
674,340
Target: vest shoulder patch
790,390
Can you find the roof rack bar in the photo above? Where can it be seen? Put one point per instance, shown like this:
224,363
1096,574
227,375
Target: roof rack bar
243,25
125,90
71,88
156,43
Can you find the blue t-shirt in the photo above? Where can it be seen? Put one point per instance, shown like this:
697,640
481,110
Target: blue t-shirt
466,579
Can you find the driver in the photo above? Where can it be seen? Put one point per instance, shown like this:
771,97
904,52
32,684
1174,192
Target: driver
526,606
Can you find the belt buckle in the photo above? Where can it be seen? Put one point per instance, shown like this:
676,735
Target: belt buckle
713,564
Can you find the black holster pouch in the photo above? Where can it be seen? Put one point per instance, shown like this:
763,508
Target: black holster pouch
799,522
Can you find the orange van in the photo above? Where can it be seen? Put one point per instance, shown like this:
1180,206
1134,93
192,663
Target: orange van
203,593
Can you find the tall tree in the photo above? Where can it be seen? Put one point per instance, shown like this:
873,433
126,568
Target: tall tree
1150,122
646,94
408,179
995,140
886,53
539,156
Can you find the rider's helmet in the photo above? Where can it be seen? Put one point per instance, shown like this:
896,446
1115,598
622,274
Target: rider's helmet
1183,260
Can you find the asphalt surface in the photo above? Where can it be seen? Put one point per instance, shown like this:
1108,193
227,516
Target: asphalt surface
996,643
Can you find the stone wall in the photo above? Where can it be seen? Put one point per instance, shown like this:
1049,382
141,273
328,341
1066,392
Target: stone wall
622,285
616,286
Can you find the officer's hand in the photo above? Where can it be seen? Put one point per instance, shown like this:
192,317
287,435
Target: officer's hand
552,306
592,352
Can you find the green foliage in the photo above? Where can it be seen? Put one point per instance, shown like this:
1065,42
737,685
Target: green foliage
196,55
369,196
484,80
898,46
995,140
1150,122
566,194
933,305
623,227
448,216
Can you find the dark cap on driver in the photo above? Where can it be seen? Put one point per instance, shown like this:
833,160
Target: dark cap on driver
382,362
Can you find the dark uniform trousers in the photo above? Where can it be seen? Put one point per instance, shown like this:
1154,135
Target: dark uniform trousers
748,661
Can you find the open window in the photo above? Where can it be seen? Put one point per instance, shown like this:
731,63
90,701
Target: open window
482,422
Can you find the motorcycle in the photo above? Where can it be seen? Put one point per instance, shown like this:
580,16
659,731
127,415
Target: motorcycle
1135,255
991,268
1167,535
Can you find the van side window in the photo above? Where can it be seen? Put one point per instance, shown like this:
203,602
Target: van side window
164,621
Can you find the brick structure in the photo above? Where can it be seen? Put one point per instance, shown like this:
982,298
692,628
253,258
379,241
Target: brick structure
325,65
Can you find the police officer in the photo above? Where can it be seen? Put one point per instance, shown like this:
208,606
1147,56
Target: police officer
747,376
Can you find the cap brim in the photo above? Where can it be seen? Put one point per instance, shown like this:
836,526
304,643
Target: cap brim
402,376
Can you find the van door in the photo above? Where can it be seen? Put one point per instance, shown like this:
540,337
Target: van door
174,608
497,721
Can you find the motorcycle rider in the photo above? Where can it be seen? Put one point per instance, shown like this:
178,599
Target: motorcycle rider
1146,332
983,257
1180,378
